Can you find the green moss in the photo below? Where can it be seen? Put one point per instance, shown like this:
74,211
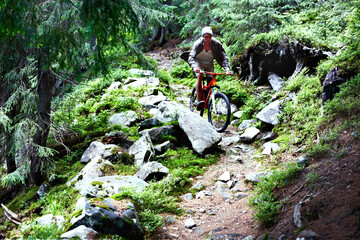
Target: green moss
24,199
97,183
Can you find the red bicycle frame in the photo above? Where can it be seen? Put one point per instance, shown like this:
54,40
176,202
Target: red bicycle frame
207,89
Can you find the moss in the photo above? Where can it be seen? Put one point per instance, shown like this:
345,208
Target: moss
24,199
97,183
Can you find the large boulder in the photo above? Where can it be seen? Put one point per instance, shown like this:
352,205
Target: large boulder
143,150
152,100
110,217
200,132
169,111
139,82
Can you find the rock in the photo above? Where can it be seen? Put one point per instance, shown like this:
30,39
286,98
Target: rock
250,134
51,219
155,133
124,118
143,150
187,196
308,234
92,170
140,82
151,101
267,136
169,111
96,150
234,122
297,216
148,123
162,148
79,232
231,184
200,132
169,219
197,185
238,114
225,177
275,81
239,196
246,124
248,238
229,140
152,171
140,72
110,217
203,193
270,148
152,91
190,223
302,161
256,177
233,108
270,113
43,189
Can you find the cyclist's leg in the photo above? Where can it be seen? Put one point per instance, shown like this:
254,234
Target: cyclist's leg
204,67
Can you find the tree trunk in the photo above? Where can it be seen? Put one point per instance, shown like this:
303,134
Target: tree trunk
46,83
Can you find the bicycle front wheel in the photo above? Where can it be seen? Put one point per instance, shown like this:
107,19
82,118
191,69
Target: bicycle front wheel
193,102
219,112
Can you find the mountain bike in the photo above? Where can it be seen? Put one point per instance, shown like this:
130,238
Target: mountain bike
216,104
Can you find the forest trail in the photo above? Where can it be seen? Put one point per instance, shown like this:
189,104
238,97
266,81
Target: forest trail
223,211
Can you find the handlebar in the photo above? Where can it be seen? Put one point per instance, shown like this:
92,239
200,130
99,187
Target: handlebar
213,73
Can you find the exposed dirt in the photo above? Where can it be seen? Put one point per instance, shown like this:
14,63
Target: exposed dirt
328,188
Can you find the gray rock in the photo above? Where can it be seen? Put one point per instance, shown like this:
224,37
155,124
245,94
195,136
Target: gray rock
233,108
79,232
155,133
225,177
190,223
248,238
270,113
308,234
110,218
275,81
162,148
148,123
234,122
140,82
238,114
302,161
250,134
187,196
267,136
51,219
226,141
96,149
152,100
169,219
152,91
43,189
152,171
169,111
143,150
141,72
297,216
124,118
197,185
256,177
270,148
200,132
203,193
239,196
246,124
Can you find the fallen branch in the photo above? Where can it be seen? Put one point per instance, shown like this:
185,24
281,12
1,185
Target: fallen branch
13,217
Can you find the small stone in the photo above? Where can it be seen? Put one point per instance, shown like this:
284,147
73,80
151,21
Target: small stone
187,196
190,223
174,235
225,177
197,185
169,219
308,234
239,196
302,161
202,210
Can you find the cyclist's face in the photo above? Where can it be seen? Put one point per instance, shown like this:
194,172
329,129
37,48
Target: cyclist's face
207,37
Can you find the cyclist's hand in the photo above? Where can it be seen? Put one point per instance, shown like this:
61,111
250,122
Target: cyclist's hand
229,73
197,70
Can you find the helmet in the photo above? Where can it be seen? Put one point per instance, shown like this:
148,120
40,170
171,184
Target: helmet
206,30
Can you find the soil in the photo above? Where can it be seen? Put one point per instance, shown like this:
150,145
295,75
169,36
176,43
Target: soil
328,190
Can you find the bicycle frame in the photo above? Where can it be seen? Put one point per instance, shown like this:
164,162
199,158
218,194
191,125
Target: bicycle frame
209,88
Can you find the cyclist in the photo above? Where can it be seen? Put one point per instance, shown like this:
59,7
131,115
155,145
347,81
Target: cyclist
201,58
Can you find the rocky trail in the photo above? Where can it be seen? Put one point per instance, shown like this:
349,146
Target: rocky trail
220,208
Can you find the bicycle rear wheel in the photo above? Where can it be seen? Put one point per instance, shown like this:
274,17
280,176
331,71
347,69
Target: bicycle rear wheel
219,112
193,102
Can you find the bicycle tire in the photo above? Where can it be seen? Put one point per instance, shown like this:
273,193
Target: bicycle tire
193,101
221,119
